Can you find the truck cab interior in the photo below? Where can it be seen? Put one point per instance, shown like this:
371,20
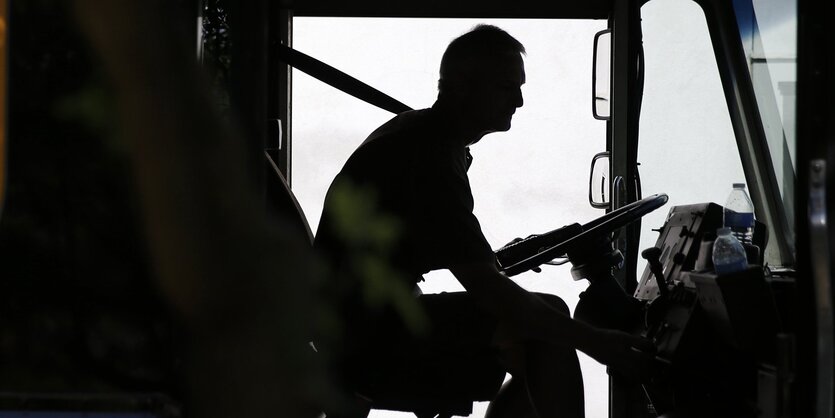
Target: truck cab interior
155,256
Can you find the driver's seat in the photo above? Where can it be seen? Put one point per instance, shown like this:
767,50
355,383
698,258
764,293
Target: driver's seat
282,203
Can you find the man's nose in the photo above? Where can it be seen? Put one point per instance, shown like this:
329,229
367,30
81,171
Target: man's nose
519,100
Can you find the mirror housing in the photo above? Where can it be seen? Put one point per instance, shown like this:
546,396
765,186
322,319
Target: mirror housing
601,79
599,179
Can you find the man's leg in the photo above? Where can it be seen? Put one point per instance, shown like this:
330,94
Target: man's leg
547,380
554,381
452,364
512,401
604,304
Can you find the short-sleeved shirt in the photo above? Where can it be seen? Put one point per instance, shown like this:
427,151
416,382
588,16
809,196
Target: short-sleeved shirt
410,178
415,174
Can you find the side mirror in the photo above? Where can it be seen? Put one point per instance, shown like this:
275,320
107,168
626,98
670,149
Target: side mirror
599,181
601,79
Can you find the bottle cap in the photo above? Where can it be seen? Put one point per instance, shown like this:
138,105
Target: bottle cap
723,231
739,185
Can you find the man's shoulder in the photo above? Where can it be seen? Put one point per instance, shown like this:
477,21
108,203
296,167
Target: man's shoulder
416,135
412,123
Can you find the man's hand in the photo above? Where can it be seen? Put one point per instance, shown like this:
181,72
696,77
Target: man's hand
517,239
627,354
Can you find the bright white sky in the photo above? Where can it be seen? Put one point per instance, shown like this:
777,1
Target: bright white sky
535,177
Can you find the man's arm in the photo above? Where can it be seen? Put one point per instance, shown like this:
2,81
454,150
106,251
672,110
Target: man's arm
533,319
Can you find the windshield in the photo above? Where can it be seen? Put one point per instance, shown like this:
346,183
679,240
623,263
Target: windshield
768,29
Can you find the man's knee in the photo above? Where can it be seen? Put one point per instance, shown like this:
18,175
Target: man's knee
606,305
513,350
555,302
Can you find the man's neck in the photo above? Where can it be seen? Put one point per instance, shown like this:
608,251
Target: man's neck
460,124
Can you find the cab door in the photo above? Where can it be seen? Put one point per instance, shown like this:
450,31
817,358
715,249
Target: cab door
627,86
815,388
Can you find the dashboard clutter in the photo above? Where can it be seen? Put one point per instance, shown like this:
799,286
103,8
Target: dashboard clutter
728,253
739,214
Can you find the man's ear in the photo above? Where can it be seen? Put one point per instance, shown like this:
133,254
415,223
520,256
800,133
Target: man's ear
452,89
462,90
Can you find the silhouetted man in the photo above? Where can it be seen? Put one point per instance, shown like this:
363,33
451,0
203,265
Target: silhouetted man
401,207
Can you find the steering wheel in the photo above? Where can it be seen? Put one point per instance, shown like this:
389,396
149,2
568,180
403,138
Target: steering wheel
594,230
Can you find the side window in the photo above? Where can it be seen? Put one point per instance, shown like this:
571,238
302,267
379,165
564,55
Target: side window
768,30
687,146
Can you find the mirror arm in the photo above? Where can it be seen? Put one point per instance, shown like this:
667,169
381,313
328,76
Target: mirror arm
603,204
618,195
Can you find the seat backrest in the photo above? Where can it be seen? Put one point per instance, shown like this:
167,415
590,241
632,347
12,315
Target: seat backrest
282,202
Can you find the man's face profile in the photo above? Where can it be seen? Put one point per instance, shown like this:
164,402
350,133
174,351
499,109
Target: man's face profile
495,93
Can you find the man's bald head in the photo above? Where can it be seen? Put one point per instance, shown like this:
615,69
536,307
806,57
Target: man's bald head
472,54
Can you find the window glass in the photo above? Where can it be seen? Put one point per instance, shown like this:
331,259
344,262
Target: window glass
687,146
531,179
768,29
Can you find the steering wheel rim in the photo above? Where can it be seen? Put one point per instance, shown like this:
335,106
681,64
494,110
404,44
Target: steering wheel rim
605,224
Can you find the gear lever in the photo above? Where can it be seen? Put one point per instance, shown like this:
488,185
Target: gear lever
652,256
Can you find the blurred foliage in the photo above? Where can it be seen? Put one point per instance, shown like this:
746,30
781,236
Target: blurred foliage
369,236
92,107
78,310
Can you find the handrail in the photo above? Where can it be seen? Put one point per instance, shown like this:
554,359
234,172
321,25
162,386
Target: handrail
822,283
339,79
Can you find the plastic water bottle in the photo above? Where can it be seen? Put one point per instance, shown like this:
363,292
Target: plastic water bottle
739,214
728,253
